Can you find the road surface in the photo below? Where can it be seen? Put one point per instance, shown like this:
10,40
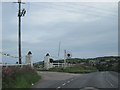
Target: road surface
66,80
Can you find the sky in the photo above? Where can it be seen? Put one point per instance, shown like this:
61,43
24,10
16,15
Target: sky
86,29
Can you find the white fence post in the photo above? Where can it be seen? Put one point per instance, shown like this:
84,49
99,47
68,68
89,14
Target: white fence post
58,64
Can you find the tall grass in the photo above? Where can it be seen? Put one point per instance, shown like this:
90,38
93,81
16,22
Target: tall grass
19,77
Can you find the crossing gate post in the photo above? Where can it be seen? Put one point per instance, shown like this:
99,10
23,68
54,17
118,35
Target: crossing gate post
47,61
29,59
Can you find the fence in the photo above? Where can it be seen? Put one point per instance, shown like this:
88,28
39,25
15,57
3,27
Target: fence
52,65
28,58
48,64
13,64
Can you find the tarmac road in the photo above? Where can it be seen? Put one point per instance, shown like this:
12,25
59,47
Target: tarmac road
59,80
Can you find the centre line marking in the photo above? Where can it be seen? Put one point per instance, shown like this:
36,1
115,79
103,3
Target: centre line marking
63,84
68,81
58,87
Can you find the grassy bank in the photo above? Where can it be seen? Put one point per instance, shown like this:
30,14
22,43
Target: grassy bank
75,69
19,77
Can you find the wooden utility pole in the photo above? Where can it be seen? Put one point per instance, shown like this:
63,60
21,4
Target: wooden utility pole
19,31
20,14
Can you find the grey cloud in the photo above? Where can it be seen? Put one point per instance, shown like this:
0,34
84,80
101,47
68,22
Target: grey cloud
85,36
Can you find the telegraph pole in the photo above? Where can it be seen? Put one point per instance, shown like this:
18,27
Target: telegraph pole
20,14
19,31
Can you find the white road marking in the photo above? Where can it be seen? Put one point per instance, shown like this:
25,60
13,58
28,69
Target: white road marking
110,83
58,87
68,81
63,84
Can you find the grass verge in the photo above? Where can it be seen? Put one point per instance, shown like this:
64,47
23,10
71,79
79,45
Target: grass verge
75,69
19,77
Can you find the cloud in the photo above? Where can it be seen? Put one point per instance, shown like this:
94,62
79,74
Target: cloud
63,12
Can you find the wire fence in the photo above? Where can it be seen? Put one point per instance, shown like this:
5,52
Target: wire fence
9,55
